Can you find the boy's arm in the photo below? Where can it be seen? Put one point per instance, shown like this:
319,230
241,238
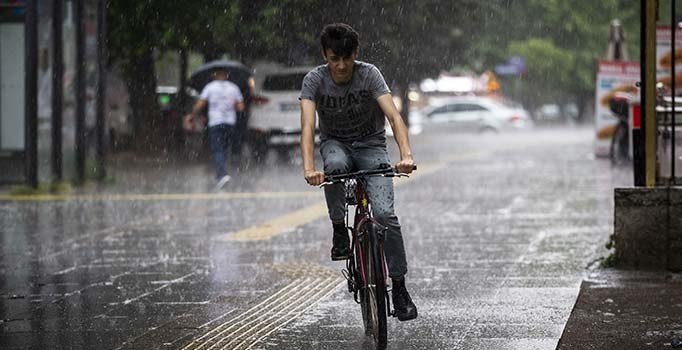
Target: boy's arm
198,107
312,176
188,121
239,106
406,163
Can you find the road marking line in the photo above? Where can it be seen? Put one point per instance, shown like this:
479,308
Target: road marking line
300,217
274,227
328,286
314,283
260,307
156,196
254,328
299,313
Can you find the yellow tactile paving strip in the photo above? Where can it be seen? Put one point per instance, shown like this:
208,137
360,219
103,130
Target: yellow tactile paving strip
299,269
289,221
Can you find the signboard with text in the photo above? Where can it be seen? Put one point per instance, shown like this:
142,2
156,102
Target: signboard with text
665,55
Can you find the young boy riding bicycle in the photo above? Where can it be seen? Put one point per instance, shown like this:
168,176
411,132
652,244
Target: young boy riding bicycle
353,101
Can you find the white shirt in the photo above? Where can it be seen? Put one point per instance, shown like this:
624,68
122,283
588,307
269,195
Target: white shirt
222,96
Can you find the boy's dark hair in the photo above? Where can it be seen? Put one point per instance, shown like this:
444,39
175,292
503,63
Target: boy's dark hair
341,38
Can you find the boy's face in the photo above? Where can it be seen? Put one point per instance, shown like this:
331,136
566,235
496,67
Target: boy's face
341,68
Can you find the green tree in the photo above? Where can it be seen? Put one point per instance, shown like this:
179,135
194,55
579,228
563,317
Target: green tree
561,42
135,30
407,40
140,30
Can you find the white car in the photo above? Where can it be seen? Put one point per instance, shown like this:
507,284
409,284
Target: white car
275,120
475,114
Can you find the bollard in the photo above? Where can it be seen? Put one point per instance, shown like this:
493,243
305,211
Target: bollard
638,162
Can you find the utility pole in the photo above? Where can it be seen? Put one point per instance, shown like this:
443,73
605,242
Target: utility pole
102,57
648,88
31,91
57,90
80,91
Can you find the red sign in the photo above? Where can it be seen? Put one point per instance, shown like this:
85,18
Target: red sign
616,68
636,116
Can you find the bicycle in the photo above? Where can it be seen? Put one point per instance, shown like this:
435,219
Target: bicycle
366,270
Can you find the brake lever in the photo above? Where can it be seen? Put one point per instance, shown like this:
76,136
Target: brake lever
329,183
397,175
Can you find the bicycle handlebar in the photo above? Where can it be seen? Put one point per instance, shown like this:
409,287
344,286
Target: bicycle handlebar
386,172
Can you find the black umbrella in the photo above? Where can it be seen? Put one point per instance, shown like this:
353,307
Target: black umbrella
239,74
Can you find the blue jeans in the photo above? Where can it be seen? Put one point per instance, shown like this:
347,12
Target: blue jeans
220,138
340,157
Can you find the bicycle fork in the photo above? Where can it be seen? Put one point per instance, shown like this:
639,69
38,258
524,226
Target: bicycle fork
356,282
353,274
381,234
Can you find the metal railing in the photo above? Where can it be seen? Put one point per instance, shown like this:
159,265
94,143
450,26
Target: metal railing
669,123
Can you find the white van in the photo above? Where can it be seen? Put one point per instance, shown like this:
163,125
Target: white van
275,118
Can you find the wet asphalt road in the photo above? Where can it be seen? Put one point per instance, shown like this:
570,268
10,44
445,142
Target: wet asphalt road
498,229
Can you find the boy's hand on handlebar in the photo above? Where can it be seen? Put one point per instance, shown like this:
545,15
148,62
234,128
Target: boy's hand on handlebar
314,177
405,166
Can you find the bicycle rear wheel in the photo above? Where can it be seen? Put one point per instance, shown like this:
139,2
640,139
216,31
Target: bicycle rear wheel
373,292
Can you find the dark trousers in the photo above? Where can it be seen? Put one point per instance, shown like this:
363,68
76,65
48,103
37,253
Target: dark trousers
220,139
341,157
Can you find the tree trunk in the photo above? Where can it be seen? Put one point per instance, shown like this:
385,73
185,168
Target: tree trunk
583,104
148,127
211,52
182,95
244,47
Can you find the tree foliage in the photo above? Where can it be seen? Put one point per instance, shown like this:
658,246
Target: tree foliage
408,40
560,41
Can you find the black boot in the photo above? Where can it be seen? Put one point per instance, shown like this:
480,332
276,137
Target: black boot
402,302
340,243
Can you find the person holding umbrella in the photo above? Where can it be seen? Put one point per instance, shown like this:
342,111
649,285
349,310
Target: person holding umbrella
223,99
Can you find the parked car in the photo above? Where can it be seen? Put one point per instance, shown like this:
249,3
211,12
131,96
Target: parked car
475,114
275,120
172,113
555,113
120,123
414,120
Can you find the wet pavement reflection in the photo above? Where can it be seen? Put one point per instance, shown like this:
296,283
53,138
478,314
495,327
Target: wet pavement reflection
498,228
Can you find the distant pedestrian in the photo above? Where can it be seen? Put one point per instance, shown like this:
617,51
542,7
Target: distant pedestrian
223,100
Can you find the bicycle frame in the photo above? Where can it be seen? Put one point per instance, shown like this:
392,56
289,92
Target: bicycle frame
366,270
363,216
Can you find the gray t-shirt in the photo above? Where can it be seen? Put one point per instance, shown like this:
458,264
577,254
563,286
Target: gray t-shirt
348,112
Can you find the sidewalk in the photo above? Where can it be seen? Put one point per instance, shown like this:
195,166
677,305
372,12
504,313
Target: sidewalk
130,172
615,309
625,309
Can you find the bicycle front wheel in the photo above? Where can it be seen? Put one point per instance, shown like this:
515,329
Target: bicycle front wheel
373,295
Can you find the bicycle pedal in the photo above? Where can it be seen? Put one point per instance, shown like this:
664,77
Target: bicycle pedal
349,281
